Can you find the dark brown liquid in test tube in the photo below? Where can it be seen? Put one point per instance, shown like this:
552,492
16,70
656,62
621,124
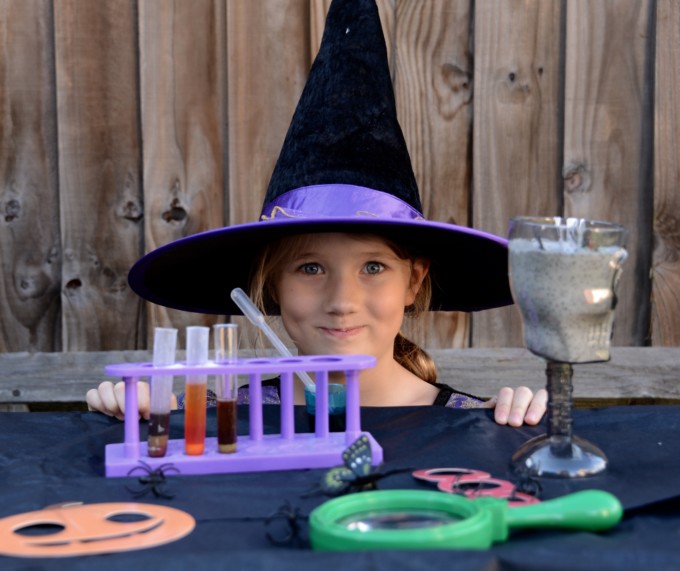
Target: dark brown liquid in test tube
159,426
226,426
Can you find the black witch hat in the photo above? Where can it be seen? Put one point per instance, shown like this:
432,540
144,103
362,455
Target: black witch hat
344,167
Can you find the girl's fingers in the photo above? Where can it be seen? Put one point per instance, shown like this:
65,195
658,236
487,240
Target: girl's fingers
110,399
503,405
144,400
520,404
515,407
103,399
119,395
94,401
537,408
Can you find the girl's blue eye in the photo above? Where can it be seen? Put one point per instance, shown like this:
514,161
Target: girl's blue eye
374,267
310,269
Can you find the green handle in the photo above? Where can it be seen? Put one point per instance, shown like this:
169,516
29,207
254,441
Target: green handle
590,510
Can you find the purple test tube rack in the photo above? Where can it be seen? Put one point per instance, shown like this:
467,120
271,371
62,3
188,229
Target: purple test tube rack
255,452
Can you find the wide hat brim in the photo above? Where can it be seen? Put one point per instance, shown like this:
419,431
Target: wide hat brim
469,268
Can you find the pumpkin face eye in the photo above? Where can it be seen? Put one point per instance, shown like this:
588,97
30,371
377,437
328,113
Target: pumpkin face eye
128,517
39,529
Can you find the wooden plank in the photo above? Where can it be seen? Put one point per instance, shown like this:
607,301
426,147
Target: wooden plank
14,408
516,154
665,318
30,248
66,377
183,106
99,171
57,377
608,137
433,89
318,9
268,54
265,80
634,374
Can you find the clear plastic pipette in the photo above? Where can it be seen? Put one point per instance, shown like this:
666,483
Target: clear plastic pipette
255,316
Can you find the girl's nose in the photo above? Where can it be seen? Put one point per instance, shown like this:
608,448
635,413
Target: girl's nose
342,295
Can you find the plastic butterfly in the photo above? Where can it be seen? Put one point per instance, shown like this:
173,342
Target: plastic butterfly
357,474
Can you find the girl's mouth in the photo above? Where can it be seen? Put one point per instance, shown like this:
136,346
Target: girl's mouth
341,332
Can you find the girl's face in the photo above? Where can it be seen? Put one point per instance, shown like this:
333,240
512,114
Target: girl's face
346,294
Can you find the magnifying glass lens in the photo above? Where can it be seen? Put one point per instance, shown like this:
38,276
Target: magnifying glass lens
397,519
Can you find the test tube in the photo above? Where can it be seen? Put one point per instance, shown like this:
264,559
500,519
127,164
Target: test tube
226,351
195,392
164,346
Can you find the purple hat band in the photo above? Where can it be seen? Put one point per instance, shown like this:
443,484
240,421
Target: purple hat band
338,201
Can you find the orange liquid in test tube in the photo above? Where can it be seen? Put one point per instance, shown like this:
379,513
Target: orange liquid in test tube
195,392
194,418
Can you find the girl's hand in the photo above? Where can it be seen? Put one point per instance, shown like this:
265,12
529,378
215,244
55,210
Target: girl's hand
110,399
518,406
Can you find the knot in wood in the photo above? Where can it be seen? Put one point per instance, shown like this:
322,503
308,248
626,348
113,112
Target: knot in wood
53,254
132,211
12,210
576,178
667,230
176,212
456,78
73,284
512,88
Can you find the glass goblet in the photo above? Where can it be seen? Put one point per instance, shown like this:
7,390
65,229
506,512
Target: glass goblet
563,276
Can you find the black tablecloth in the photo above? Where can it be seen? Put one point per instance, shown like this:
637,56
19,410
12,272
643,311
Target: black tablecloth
50,458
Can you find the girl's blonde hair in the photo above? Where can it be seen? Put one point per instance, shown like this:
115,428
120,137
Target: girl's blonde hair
263,292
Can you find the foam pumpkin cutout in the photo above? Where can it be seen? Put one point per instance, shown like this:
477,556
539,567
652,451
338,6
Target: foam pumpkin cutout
89,529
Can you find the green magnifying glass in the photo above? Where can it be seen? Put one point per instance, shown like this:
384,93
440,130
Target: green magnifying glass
418,519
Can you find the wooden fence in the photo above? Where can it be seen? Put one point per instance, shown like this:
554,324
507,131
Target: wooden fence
126,124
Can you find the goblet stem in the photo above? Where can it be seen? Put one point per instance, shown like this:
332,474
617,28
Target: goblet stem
559,387
559,453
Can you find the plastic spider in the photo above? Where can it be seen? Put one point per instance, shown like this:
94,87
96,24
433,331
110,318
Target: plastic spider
291,518
153,481
526,484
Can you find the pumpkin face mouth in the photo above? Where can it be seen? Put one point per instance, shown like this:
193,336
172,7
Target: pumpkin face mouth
87,529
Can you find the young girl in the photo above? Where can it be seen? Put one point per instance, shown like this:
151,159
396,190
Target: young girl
342,250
